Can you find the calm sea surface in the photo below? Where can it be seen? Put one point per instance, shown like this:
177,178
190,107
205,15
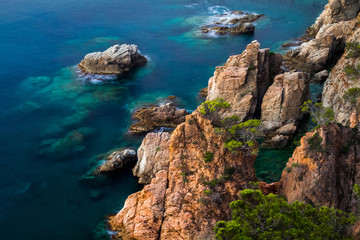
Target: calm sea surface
53,122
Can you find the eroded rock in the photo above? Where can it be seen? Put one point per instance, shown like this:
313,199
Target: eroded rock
116,60
244,79
149,118
233,23
153,156
117,160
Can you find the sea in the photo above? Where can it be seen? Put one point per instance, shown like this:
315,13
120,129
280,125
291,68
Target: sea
56,122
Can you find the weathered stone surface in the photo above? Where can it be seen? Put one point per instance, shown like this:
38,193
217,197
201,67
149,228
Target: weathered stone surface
233,23
143,212
330,31
117,160
116,60
185,211
244,79
324,177
153,117
284,98
153,156
321,76
339,82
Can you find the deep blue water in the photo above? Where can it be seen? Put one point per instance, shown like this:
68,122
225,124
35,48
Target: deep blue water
42,193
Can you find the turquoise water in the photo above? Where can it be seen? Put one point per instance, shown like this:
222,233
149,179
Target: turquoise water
54,122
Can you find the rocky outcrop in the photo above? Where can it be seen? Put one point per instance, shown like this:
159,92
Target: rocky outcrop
324,168
116,60
153,156
234,23
281,107
151,117
244,79
116,161
330,31
344,75
143,212
197,192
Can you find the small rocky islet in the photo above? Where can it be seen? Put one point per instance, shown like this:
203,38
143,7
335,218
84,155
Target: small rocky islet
172,204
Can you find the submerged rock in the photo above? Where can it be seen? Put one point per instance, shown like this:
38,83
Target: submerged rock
233,23
153,156
153,117
175,205
116,60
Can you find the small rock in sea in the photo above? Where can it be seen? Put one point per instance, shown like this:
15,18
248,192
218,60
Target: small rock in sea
116,161
116,60
241,23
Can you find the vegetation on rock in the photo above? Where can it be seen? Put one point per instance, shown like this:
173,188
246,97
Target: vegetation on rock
320,115
259,216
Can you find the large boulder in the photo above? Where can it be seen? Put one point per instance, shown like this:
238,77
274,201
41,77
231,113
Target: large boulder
187,200
324,168
244,80
281,107
151,117
153,156
116,60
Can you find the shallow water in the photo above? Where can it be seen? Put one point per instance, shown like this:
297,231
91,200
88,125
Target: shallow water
54,122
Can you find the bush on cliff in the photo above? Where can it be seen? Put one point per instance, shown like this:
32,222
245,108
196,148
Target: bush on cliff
257,216
210,109
320,115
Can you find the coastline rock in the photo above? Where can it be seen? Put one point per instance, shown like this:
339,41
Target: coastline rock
117,160
153,156
184,210
330,31
340,81
143,212
324,168
281,107
234,23
244,79
321,76
116,60
153,117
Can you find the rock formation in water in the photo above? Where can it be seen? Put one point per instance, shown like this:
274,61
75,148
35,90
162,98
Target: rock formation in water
149,118
330,31
153,156
244,80
116,161
185,201
234,23
116,60
324,168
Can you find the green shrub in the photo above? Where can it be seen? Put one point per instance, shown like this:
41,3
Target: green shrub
320,115
209,156
157,149
210,109
251,67
353,49
191,121
208,192
315,142
352,72
269,217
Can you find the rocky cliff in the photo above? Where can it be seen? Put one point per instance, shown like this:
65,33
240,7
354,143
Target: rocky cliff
185,201
324,168
330,31
244,79
344,75
153,156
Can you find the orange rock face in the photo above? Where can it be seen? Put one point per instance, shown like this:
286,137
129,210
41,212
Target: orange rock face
324,169
197,193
